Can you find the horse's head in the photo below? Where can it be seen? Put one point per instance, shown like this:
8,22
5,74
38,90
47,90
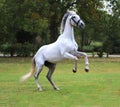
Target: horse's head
73,18
76,20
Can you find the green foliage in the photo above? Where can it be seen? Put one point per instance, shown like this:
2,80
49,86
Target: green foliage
25,49
88,48
111,44
5,48
19,49
98,47
42,19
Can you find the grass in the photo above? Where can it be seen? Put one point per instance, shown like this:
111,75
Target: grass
98,88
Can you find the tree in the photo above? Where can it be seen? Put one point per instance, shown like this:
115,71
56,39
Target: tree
91,14
37,22
112,41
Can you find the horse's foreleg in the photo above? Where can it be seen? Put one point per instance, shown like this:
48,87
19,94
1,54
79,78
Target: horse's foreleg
75,66
49,75
71,56
39,69
86,59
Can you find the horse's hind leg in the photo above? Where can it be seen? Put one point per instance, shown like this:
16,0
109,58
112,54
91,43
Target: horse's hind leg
39,69
51,67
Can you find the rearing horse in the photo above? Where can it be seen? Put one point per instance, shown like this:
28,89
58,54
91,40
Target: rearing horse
64,48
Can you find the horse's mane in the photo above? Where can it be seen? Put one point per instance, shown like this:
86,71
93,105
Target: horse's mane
69,12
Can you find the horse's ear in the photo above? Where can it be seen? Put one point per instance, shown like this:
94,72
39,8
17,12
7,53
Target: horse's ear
72,10
68,10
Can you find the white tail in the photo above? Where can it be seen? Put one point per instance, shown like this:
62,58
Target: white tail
28,75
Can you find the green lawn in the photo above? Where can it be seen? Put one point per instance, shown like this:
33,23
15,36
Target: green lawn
98,88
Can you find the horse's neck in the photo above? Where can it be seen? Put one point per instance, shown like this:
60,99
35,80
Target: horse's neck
68,31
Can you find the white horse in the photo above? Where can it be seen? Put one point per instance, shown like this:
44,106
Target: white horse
64,48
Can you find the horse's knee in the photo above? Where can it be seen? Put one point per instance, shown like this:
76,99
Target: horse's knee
36,75
53,67
39,69
48,77
85,54
49,74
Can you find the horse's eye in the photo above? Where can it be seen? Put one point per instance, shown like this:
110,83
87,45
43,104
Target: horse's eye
73,17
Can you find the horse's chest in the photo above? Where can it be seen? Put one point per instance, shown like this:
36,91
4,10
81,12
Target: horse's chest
69,46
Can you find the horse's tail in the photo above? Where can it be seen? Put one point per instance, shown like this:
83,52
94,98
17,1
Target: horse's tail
28,75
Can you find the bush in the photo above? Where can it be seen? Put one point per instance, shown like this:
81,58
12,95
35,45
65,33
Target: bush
25,49
94,47
98,47
19,49
7,48
88,48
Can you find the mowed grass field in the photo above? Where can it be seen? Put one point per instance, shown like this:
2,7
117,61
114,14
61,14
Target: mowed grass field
98,88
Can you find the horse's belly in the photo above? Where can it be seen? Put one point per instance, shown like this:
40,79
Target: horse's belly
55,60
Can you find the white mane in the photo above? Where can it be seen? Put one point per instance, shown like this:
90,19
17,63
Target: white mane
69,12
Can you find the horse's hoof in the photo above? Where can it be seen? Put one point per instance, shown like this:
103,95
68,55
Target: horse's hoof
74,71
40,89
57,89
87,70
